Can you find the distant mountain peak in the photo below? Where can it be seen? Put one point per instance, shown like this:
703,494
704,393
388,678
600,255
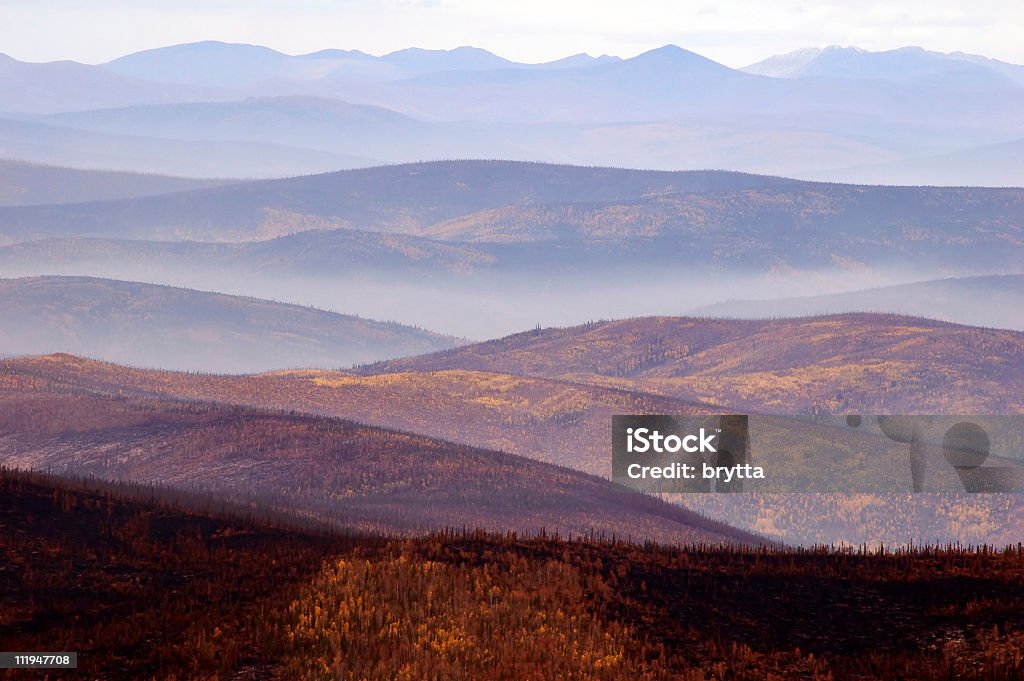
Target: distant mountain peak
671,50
334,53
673,56
580,59
201,46
461,49
910,62
417,60
843,48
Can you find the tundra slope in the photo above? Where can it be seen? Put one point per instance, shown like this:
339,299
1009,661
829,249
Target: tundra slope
330,470
161,326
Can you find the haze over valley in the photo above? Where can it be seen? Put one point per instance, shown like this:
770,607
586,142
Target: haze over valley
480,341
496,257
522,244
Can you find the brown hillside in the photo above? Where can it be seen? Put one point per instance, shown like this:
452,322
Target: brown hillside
553,421
869,363
349,474
500,412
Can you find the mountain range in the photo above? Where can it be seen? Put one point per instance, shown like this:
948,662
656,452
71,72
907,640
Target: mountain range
218,64
308,363
38,143
481,248
901,65
819,114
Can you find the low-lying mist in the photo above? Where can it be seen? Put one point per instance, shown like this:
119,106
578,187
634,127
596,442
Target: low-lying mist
483,306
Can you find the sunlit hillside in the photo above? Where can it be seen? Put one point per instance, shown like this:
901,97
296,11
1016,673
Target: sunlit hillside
868,363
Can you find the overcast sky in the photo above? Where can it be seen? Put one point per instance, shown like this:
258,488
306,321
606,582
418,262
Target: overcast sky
734,32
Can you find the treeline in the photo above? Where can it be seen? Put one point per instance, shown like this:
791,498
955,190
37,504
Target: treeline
457,606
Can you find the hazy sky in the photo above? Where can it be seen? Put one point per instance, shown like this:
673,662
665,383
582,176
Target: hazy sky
735,32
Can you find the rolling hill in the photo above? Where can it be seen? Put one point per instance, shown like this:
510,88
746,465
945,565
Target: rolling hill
313,123
953,300
335,471
796,226
852,363
551,421
161,326
547,420
845,363
35,142
422,282
638,219
336,253
993,165
405,199
330,125
23,184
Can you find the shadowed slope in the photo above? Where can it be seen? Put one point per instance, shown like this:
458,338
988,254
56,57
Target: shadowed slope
546,420
348,474
161,326
24,184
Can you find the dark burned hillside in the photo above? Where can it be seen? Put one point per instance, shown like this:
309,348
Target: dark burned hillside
142,589
149,584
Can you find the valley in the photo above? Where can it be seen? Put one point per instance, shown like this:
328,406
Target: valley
324,356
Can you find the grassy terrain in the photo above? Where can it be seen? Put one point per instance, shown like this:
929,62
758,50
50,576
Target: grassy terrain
868,363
